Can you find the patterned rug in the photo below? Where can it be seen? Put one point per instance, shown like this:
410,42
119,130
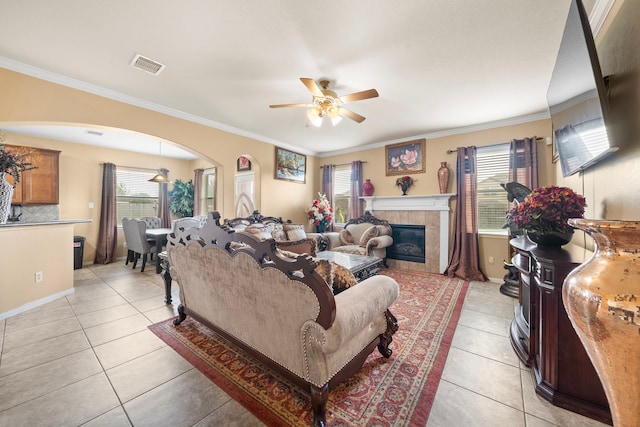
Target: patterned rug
386,392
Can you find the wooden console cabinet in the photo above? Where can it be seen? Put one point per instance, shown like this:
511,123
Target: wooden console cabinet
38,186
542,335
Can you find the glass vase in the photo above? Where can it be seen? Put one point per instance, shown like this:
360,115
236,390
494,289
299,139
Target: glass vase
602,299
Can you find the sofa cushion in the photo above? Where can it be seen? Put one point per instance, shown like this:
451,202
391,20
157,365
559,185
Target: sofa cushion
346,238
369,234
295,231
259,231
357,230
350,249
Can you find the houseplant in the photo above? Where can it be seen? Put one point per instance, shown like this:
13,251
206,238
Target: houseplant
404,182
12,162
181,198
320,213
543,214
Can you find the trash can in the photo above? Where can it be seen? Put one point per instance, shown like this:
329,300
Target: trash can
78,251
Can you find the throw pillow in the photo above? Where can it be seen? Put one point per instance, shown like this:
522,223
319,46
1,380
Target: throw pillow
346,238
295,231
277,232
369,234
303,246
259,231
325,270
342,278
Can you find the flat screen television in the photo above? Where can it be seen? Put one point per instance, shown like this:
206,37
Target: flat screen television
577,99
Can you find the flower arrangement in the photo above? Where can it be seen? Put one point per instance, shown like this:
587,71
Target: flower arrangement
14,162
547,209
320,213
404,182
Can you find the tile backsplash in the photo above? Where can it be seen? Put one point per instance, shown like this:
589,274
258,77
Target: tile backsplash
39,213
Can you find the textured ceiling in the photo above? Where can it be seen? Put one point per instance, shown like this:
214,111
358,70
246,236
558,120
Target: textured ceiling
438,65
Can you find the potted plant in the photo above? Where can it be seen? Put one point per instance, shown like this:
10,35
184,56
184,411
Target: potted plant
543,214
12,162
181,199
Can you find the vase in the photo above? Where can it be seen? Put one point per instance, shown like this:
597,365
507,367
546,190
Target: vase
6,194
443,177
320,228
404,189
367,188
602,299
552,239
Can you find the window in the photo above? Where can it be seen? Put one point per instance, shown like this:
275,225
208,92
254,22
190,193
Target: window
135,195
492,169
209,190
341,193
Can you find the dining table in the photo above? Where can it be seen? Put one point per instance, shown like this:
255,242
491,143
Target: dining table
160,237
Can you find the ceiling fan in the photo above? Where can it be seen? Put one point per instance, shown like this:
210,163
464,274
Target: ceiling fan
326,103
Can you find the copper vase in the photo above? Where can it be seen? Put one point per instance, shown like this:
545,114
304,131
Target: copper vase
602,299
443,177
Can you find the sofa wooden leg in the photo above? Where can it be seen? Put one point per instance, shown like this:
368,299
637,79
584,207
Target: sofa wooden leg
319,396
181,315
386,336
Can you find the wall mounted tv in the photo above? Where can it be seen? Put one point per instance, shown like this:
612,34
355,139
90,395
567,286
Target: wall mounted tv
577,98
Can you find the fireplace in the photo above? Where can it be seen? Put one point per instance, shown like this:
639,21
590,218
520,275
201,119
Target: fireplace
408,243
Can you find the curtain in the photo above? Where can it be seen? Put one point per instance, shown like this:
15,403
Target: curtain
523,162
327,186
108,228
197,190
163,202
465,257
355,204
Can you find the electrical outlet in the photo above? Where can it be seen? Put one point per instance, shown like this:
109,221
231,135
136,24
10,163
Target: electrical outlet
492,260
38,276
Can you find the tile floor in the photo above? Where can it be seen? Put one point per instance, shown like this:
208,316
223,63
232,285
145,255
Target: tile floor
89,360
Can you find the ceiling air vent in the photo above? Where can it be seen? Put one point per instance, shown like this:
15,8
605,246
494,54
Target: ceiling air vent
145,64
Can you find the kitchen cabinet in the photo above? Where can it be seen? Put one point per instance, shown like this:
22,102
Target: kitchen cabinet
39,186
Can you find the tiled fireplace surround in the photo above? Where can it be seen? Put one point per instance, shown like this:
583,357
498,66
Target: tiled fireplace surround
431,211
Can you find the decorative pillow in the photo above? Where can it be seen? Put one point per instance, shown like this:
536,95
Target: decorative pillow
277,232
346,238
383,230
289,254
325,270
342,278
369,234
259,231
295,231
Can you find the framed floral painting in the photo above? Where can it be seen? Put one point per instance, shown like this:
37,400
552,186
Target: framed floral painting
405,158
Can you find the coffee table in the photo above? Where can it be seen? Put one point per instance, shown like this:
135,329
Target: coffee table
360,266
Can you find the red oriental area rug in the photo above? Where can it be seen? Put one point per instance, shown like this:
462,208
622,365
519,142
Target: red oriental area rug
386,392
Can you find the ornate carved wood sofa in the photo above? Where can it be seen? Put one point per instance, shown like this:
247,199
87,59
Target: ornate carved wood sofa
280,309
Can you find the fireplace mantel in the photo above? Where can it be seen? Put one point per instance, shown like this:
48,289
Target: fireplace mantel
438,207
436,202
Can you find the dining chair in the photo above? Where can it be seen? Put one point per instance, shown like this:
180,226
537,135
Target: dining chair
137,245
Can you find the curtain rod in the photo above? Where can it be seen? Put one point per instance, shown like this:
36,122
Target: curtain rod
539,138
342,164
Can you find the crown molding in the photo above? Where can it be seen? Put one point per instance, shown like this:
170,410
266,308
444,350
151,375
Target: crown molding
599,14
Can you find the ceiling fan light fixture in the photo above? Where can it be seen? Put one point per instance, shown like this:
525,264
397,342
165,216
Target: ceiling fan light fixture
315,116
336,120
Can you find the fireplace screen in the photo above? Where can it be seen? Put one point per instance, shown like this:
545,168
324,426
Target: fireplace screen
408,243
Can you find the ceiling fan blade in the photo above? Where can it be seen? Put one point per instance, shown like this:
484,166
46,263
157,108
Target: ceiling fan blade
312,86
357,96
287,105
351,115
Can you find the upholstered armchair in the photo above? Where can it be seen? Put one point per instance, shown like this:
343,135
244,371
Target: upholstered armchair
366,235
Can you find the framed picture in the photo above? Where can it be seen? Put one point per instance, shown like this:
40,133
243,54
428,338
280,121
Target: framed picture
405,158
244,164
290,166
554,150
